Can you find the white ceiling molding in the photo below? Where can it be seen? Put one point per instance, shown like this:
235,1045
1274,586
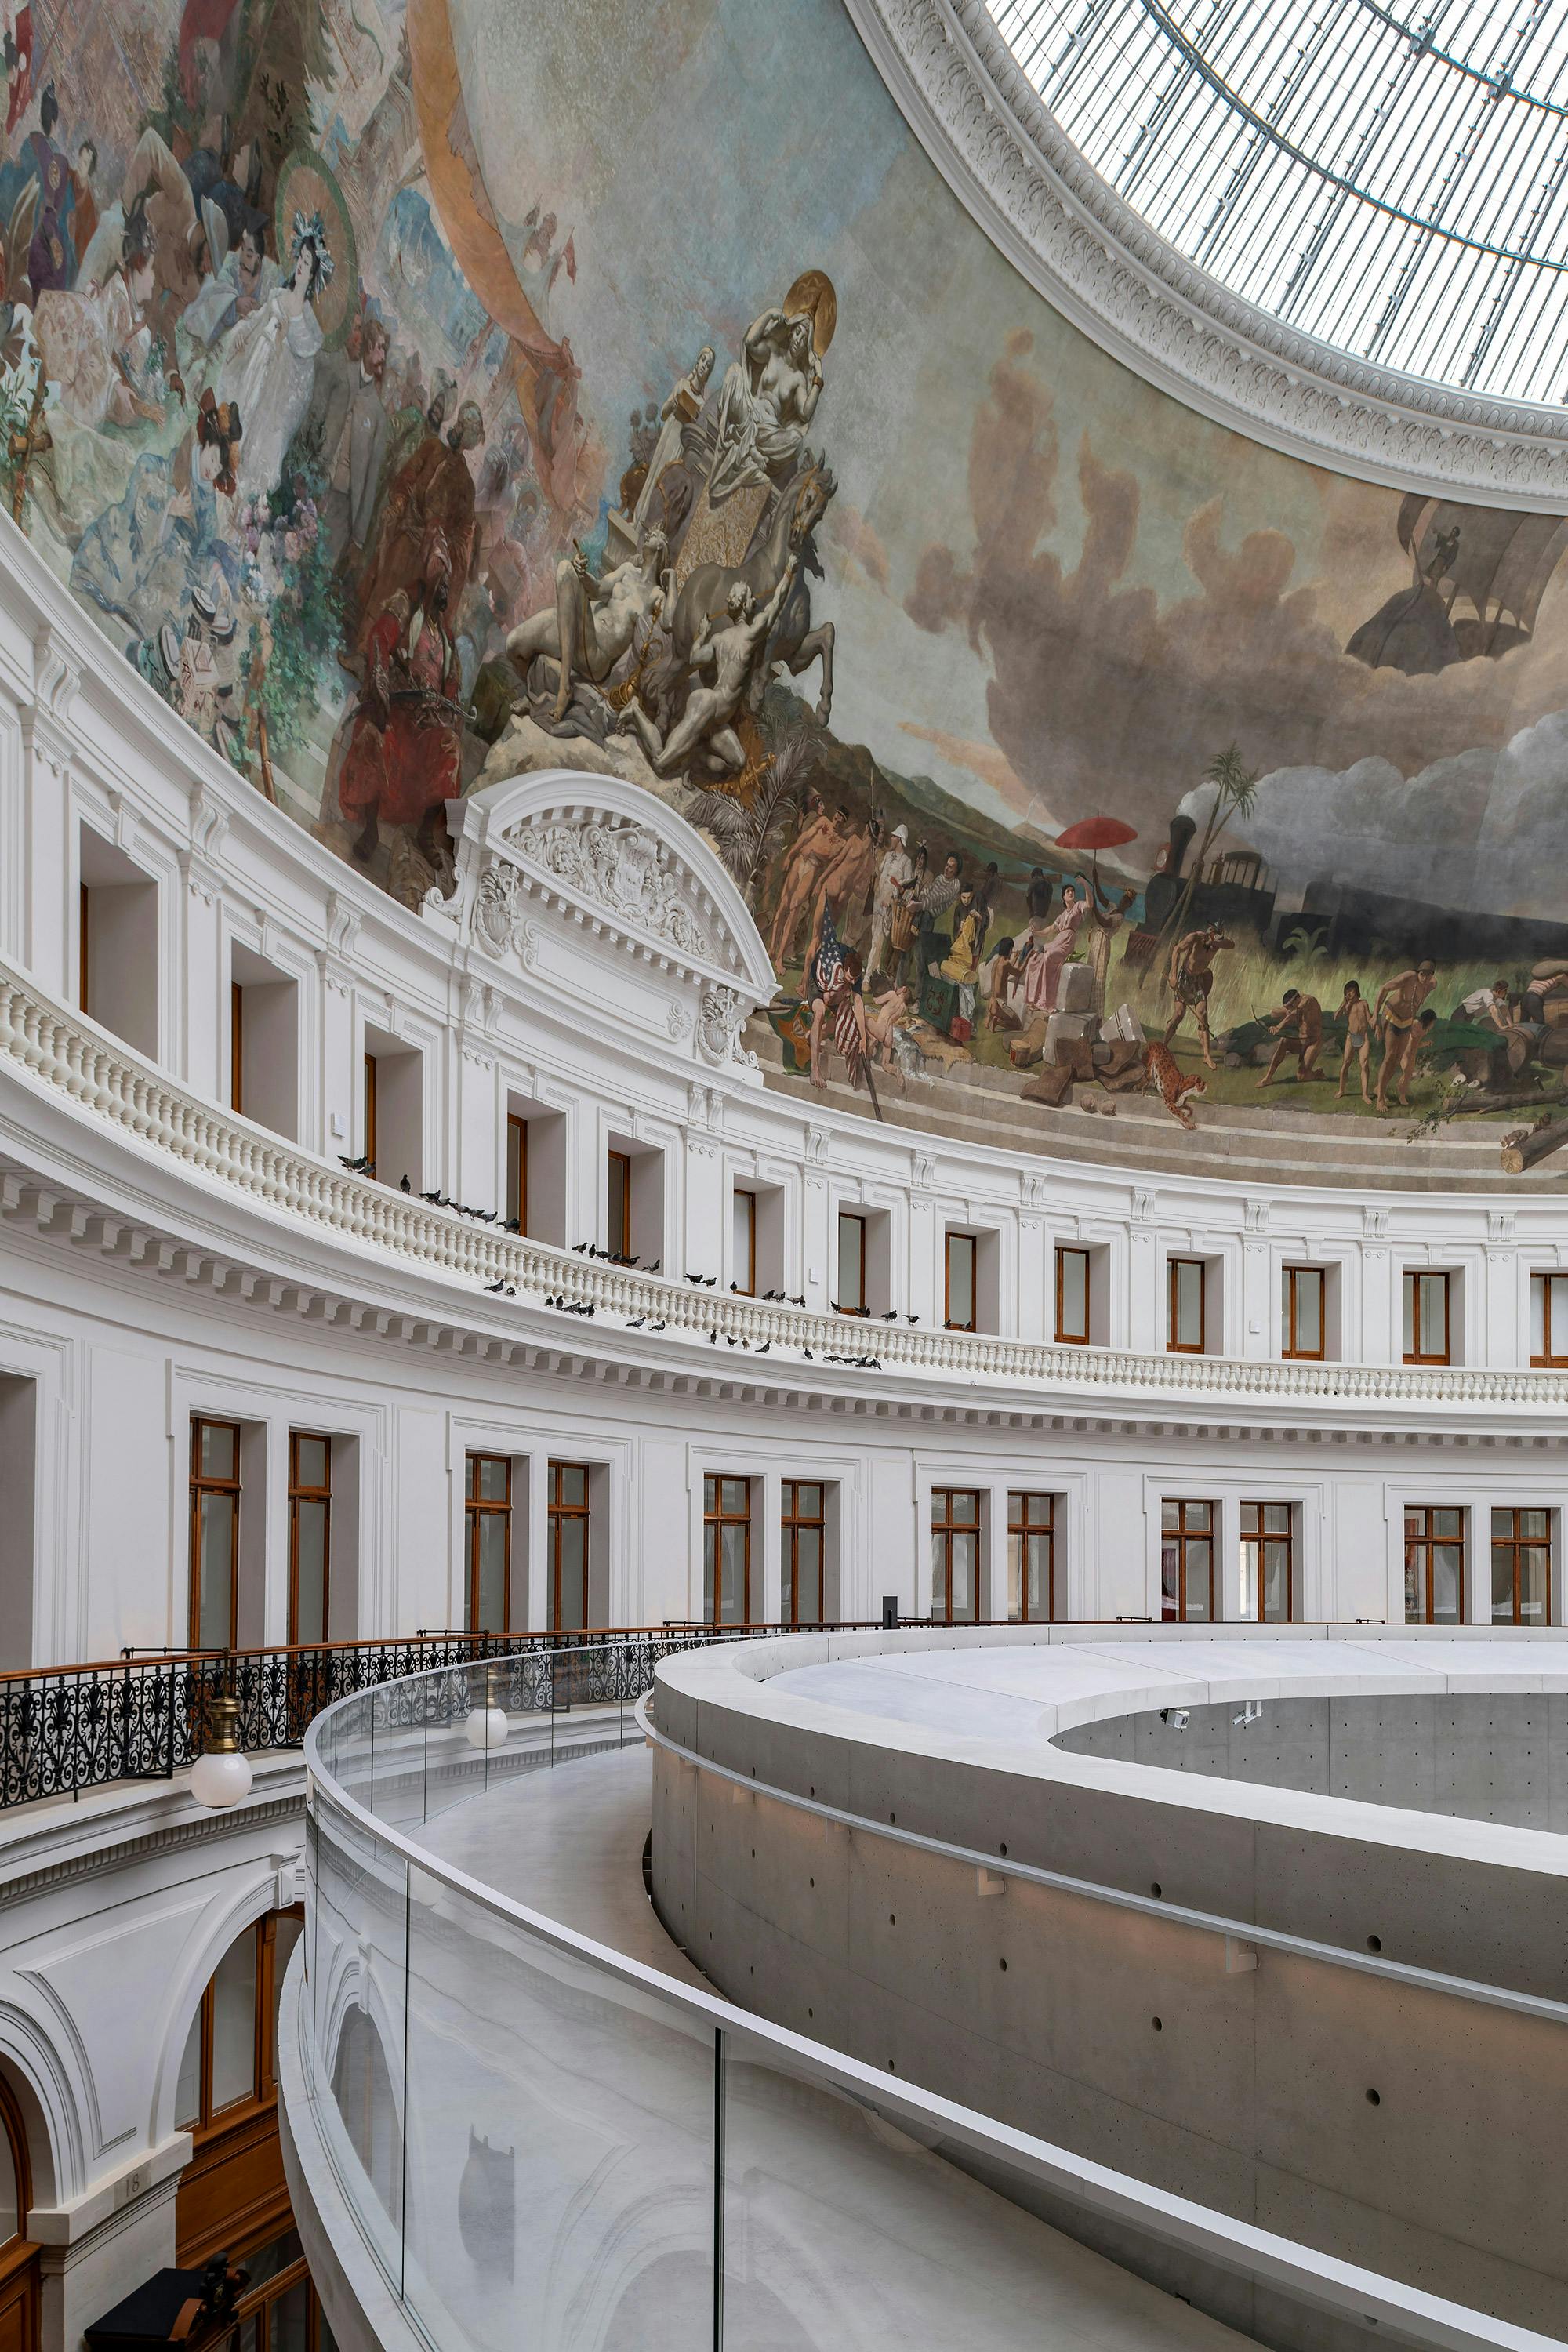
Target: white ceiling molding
956,82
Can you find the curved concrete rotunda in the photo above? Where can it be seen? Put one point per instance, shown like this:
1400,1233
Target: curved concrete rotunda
783,1284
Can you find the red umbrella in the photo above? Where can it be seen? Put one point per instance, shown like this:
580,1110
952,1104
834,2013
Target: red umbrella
1095,834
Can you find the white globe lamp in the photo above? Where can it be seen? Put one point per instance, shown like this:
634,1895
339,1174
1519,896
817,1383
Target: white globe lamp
487,1726
220,1777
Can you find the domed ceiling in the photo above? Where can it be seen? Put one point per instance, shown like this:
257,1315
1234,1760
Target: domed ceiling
363,357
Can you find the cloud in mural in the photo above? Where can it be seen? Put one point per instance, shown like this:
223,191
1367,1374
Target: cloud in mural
1104,696
1485,829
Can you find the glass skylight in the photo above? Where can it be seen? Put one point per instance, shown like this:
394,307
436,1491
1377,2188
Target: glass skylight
1392,178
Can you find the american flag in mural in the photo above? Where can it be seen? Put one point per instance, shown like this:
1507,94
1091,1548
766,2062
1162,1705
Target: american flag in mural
833,966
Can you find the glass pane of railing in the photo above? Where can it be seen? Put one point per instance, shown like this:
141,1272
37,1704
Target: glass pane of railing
561,2154
358,1931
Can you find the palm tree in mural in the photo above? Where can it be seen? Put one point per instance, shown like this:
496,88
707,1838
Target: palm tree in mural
1234,790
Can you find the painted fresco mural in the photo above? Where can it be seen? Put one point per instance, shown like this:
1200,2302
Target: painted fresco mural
421,391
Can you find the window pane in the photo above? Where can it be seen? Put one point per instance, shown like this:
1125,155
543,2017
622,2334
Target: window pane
1309,1312
1534,1570
1187,1303
1534,1526
1409,1288
234,2023
1276,1584
265,2262
1557,1313
1072,1274
468,1477
1199,1515
572,1488
1448,1523
1277,1518
287,1935
736,1497
214,1628
808,1502
10,2191
744,1211
1169,1515
290,2314
490,1613
804,1607
710,1496
1448,1582
1538,1314
733,1561
619,1206
573,1601
218,1450
493,1478
311,1460
1169,1576
964,1509
710,1571
1038,1587
851,1261
961,1281
188,2087
1200,1577
517,1170
309,1570
964,1562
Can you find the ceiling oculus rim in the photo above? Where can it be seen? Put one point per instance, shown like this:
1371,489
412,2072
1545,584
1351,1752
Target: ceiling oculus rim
1391,179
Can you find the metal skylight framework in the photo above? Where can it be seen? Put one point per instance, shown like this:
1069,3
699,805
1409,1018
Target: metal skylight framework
1392,178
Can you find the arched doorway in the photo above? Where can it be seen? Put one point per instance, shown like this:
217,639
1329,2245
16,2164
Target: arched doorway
19,2295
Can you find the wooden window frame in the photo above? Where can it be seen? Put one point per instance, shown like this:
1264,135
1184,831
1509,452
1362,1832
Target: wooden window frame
791,1521
475,1507
715,1518
848,1306
943,1531
1515,1544
21,2260
254,2305
1412,1278
368,1107
1183,1536
1549,1356
517,1193
745,1276
1290,1352
972,1240
236,1048
299,1492
1173,1345
1023,1529
1065,1338
263,2090
1422,1545
201,1486
1257,1535
620,1245
556,1513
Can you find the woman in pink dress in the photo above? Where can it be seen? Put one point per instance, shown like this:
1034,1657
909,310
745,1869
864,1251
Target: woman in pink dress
1056,949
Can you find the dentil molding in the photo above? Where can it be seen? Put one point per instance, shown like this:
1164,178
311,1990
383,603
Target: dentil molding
956,82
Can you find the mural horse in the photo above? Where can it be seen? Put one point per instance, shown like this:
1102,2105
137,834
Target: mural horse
793,644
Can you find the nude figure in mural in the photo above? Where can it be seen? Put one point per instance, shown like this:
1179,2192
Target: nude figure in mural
593,620
1191,981
1398,1014
815,847
767,403
706,722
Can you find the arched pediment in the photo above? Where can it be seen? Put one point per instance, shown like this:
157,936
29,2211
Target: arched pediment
607,854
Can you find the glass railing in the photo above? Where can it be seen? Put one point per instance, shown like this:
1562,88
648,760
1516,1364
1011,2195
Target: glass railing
542,2141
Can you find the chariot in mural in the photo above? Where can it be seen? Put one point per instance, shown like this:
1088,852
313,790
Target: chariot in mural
413,401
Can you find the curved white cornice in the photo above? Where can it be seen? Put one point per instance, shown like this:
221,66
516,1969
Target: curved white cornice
1093,258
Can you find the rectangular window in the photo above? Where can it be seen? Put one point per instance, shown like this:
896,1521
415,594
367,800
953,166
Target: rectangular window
229,2062
236,1048
309,1535
851,1262
954,1556
727,1551
1427,1312
1186,1561
486,1529
1434,1564
804,1544
745,1237
1186,1323
1072,1297
1521,1566
214,1534
1031,1558
567,1512
619,1216
368,1107
1301,1319
1549,1318
517,1173
960,1281
1268,1581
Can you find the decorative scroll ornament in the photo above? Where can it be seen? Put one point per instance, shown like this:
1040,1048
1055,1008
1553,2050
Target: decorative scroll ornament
619,868
719,1015
495,910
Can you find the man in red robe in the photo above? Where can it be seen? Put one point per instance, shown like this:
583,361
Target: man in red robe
433,496
402,762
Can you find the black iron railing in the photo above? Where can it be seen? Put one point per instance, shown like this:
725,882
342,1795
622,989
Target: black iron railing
145,1716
